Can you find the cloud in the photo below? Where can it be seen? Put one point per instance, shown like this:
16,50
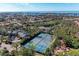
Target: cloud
17,7
8,7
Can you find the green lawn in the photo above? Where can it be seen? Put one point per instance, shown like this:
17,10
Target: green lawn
73,52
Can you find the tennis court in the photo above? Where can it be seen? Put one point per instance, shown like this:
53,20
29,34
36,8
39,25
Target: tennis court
40,42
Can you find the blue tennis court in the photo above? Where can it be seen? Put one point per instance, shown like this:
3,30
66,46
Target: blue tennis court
40,42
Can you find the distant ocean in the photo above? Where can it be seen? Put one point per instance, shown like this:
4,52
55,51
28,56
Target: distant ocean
57,13
35,13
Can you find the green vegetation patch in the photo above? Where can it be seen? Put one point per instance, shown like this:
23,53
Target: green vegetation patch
72,52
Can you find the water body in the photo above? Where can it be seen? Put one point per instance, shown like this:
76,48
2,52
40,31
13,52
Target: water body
56,13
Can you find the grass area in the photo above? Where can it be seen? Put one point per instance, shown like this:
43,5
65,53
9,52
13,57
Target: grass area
72,52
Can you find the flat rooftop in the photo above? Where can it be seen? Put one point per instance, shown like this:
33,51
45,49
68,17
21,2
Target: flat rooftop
40,43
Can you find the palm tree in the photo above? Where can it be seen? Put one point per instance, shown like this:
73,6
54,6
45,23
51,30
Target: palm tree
5,52
0,38
48,52
13,53
16,45
25,52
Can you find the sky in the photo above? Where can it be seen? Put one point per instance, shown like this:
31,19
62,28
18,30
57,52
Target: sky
16,7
